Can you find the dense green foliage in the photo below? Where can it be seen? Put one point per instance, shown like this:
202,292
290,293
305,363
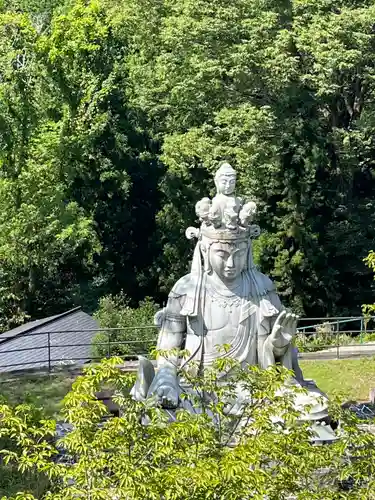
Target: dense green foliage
189,458
73,165
369,309
284,91
128,331
113,117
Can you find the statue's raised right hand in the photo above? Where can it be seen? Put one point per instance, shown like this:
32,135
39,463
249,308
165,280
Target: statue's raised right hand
283,332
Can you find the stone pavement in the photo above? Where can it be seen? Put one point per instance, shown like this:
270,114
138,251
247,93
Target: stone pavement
343,352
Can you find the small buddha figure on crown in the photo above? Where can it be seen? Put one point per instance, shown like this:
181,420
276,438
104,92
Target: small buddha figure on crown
202,209
247,213
230,213
225,181
225,205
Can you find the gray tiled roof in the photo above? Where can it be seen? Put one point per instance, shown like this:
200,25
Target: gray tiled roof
27,347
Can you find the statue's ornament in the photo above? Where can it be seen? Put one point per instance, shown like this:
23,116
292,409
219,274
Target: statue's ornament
225,217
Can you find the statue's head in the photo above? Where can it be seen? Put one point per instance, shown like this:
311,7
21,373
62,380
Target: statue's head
225,179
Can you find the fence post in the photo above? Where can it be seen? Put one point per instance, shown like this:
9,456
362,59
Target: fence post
109,347
361,328
49,351
338,339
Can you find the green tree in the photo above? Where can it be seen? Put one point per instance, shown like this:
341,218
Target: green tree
284,91
40,229
105,154
114,119
77,173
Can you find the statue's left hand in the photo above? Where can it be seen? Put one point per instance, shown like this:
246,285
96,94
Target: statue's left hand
283,332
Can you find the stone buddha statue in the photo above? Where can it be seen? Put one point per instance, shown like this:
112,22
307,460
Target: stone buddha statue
224,300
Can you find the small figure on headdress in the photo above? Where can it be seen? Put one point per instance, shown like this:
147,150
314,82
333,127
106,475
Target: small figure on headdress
230,216
215,215
202,209
247,213
225,182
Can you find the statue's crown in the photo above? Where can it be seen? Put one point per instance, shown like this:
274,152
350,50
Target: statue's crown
226,217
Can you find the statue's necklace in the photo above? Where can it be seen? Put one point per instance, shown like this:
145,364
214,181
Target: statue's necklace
224,297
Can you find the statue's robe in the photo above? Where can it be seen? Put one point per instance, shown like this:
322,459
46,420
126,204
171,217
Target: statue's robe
242,321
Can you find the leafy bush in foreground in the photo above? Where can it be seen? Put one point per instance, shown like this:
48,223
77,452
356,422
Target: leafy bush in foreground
192,457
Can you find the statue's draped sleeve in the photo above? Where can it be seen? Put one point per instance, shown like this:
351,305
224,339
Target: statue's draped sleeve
173,326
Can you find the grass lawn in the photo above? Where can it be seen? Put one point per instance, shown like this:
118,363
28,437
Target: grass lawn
351,379
46,391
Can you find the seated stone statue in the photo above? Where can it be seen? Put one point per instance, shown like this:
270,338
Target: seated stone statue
224,300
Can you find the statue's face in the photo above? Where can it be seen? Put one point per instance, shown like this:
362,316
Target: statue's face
226,184
228,260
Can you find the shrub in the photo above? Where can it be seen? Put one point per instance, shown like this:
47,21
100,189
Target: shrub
317,342
369,309
137,335
369,337
203,455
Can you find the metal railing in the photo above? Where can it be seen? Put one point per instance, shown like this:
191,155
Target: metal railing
317,338
49,350
336,337
334,322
